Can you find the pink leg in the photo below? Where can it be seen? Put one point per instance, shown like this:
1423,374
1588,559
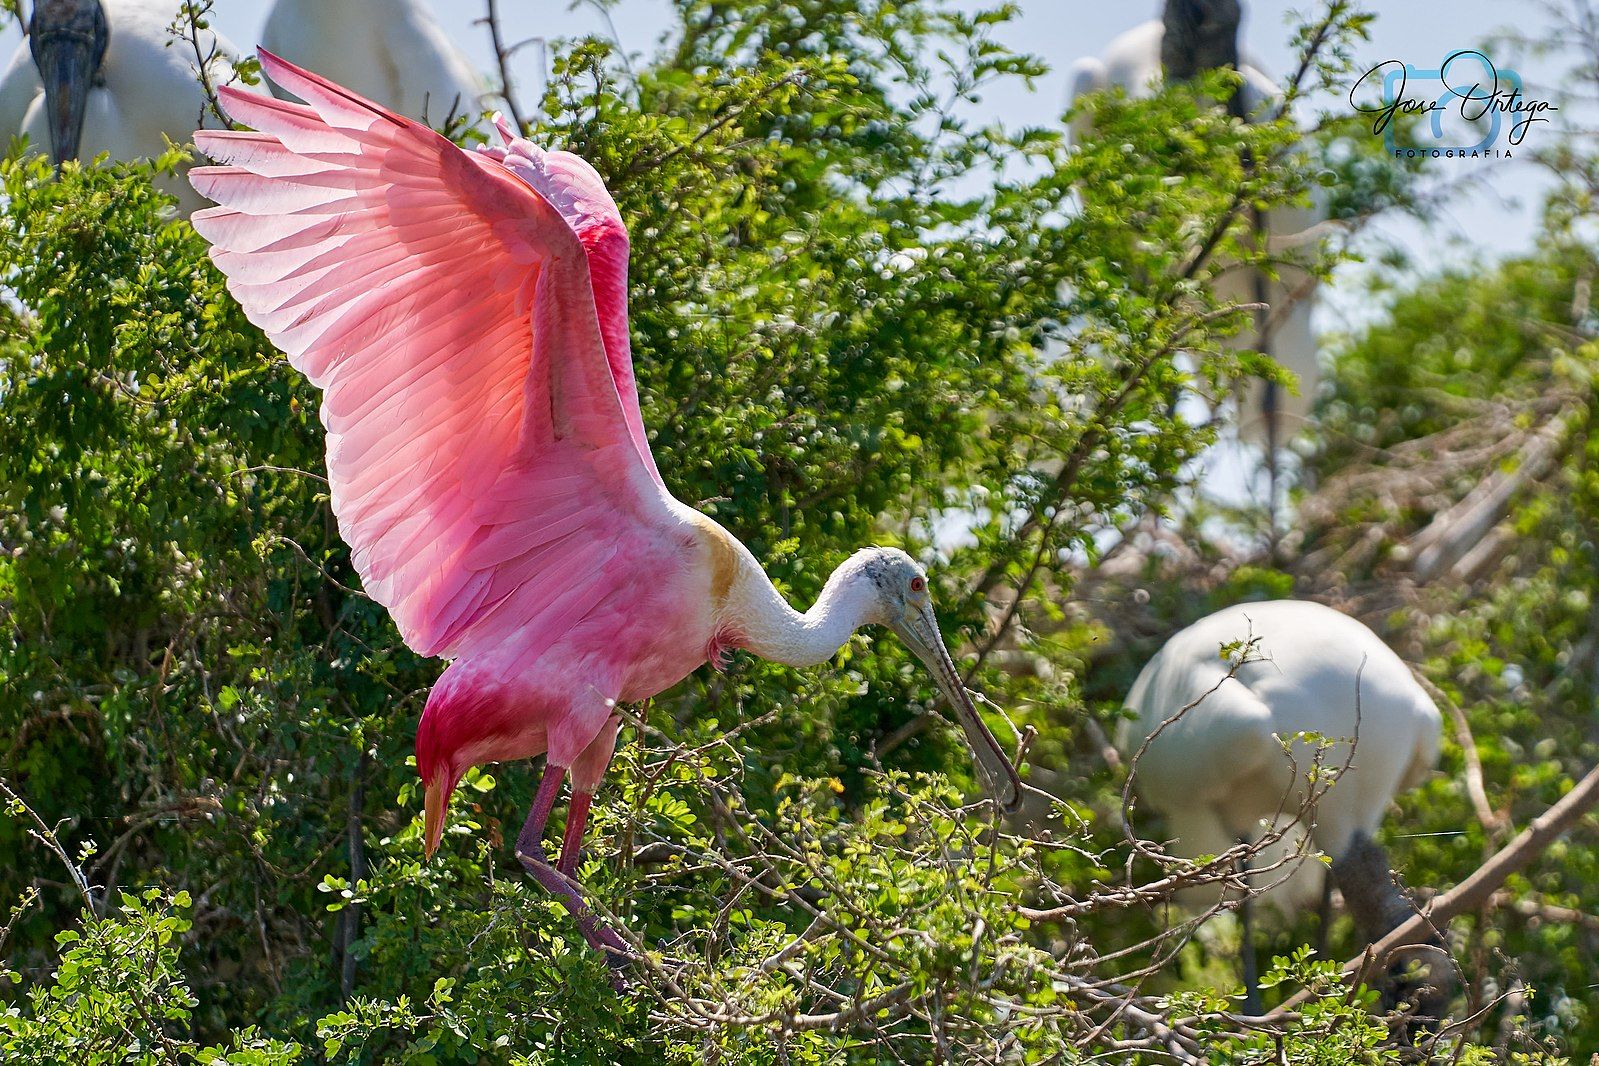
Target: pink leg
530,852
539,814
587,770
577,815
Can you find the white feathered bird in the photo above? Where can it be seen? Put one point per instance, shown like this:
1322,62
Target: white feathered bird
393,52
109,76
1219,772
1132,62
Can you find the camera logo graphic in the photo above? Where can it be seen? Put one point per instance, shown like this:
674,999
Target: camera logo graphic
1464,106
1454,88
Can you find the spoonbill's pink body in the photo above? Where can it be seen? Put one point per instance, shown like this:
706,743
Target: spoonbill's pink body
465,314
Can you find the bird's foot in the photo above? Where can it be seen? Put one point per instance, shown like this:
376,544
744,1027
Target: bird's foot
613,949
620,966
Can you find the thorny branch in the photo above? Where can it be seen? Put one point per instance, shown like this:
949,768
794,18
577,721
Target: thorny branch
851,967
46,835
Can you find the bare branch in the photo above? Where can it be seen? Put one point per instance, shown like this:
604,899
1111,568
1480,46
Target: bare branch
502,59
46,835
1477,891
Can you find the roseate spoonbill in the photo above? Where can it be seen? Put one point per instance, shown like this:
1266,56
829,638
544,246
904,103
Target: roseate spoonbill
1219,773
391,51
1134,61
108,76
465,314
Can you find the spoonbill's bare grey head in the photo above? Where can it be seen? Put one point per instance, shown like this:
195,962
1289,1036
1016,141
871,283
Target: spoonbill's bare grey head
906,606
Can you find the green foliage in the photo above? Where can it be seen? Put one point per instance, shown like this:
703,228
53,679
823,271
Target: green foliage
117,996
855,316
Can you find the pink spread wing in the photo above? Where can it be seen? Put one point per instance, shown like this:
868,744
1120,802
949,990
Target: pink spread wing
482,468
575,189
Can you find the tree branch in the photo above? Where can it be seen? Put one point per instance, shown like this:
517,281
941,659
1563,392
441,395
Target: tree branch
502,59
1477,891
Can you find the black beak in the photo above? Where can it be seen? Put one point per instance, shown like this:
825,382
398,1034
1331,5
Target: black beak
68,39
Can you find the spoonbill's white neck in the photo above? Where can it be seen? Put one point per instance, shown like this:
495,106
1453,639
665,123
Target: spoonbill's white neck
881,586
770,628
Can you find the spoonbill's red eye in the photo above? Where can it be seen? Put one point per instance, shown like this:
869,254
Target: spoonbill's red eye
918,584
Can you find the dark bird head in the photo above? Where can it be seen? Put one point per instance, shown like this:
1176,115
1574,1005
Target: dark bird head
68,39
1200,35
1416,982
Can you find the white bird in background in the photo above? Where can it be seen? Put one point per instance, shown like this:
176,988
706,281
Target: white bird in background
1219,774
1133,62
109,76
391,51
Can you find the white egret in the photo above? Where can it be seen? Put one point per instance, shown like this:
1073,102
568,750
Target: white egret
393,52
1133,62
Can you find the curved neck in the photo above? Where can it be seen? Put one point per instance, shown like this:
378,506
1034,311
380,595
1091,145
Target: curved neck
766,625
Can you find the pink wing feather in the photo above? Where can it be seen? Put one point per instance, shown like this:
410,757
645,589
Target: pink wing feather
576,190
465,315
